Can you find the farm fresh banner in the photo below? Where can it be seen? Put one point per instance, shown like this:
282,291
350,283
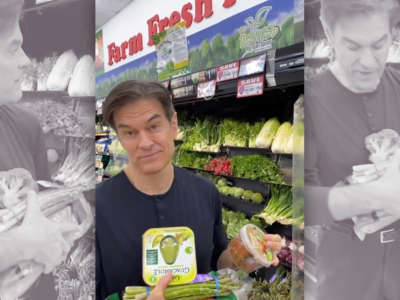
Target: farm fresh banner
218,32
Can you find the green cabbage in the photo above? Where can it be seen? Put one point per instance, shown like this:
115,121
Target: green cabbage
267,133
281,138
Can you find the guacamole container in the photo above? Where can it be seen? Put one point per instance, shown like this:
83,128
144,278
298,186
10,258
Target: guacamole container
249,249
169,249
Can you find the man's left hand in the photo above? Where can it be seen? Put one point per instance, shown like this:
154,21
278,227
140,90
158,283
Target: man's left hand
274,242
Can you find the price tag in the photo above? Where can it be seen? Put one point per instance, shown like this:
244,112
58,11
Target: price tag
99,106
248,87
165,84
252,65
181,81
228,71
270,68
204,76
183,91
206,89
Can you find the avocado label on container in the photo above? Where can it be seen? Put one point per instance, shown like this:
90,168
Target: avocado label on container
169,249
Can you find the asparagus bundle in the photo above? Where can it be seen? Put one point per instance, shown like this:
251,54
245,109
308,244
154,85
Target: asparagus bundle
190,291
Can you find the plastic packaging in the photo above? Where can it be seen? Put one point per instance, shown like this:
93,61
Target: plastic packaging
169,249
249,250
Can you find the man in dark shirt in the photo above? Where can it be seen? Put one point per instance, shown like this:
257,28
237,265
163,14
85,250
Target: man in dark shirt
151,192
358,95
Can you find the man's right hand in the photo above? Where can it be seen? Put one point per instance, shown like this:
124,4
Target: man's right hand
384,192
40,239
158,292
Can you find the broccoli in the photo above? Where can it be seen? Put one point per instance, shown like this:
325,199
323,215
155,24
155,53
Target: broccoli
222,182
237,192
224,190
257,198
247,195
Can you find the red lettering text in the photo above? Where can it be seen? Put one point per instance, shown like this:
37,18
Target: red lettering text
124,45
135,44
175,18
187,15
229,3
152,27
164,23
208,11
117,54
111,51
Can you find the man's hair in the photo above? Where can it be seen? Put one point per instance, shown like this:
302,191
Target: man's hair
130,91
333,10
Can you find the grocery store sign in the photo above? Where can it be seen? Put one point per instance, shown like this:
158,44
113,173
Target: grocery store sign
203,9
218,34
257,35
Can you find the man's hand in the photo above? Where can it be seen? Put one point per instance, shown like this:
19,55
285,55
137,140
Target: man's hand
40,239
274,242
385,191
158,292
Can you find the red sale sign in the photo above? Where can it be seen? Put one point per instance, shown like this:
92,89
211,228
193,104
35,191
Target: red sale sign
228,71
248,87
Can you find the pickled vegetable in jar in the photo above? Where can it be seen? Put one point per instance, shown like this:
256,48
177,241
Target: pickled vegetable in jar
249,251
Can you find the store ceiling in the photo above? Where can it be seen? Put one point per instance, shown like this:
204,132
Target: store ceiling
106,9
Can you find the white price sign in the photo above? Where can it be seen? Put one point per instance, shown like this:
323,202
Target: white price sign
206,89
250,87
228,71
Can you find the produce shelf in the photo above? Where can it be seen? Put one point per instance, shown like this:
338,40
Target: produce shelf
240,180
283,159
235,151
103,154
54,95
246,207
102,134
285,163
228,89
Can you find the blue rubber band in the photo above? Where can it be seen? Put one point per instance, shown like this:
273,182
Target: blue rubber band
147,291
217,286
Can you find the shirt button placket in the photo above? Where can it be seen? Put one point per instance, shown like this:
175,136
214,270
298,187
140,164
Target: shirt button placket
370,115
160,210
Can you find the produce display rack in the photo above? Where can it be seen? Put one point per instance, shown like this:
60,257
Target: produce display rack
276,100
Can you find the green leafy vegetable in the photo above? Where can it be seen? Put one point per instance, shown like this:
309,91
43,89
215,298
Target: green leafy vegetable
256,167
205,135
280,206
254,130
190,159
234,221
235,133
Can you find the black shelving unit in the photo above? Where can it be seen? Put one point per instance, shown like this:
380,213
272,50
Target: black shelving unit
276,101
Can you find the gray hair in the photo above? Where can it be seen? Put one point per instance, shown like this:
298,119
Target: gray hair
333,10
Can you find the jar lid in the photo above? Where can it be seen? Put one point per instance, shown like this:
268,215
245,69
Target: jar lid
253,238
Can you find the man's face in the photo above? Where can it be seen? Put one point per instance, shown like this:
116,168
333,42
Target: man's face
361,45
12,59
146,134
